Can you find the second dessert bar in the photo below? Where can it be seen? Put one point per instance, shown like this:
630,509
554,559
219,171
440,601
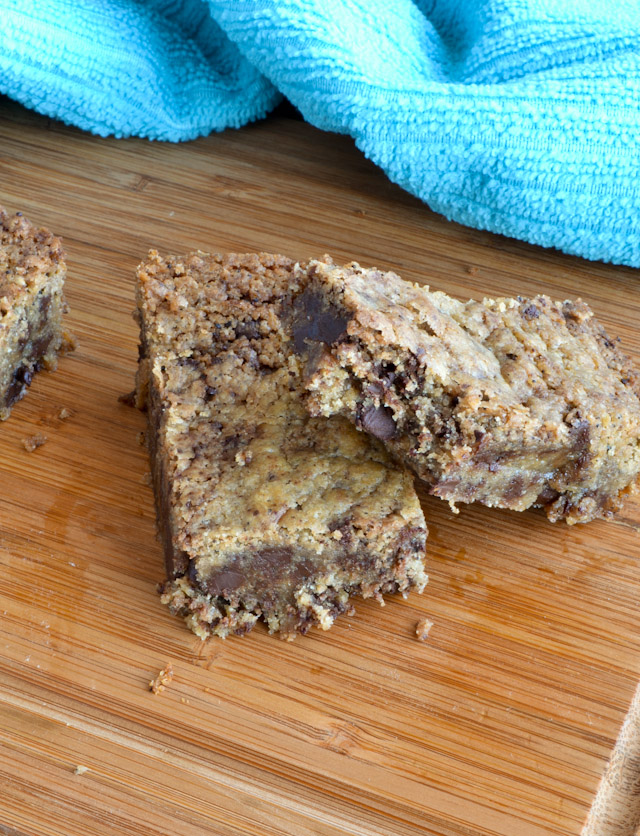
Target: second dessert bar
510,402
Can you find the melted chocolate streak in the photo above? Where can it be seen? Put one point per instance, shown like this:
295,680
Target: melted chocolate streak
316,321
32,362
23,375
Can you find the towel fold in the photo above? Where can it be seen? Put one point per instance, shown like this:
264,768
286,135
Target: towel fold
517,116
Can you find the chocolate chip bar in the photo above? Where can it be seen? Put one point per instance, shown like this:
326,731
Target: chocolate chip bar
32,273
264,511
509,402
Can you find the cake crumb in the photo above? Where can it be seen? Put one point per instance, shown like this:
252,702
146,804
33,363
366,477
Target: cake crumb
80,769
472,269
244,457
423,628
69,342
146,478
32,442
55,417
163,679
142,438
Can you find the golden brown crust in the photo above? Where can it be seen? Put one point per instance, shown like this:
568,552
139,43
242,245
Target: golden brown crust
27,254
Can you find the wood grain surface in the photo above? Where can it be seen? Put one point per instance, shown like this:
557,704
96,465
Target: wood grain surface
500,724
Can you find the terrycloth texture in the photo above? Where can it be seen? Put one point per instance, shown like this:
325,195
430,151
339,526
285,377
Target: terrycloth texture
517,116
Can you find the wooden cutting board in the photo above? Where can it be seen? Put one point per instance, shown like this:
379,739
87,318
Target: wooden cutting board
501,723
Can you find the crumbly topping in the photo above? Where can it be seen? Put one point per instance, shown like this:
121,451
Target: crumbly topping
27,255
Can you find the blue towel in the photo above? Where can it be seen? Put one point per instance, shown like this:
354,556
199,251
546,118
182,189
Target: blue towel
517,116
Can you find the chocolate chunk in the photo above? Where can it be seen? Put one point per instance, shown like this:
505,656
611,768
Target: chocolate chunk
44,304
249,329
530,312
345,526
581,434
40,346
190,362
279,562
21,379
515,489
315,321
224,583
378,421
263,569
546,495
376,389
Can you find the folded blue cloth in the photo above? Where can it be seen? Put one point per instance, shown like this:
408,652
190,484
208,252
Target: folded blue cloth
517,116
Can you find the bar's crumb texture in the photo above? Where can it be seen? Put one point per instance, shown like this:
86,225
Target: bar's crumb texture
32,442
162,679
32,273
423,628
264,511
510,402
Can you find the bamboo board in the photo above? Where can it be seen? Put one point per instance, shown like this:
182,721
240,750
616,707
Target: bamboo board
500,724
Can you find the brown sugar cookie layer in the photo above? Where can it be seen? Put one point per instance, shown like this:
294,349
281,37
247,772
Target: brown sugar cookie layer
510,402
265,512
32,273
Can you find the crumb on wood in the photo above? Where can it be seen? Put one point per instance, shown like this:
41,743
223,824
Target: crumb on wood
184,701
472,269
244,457
53,419
423,628
69,342
32,442
80,769
142,438
146,478
163,679
361,212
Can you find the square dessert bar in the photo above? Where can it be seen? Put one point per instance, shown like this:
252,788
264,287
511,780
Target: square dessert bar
510,402
264,511
32,273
